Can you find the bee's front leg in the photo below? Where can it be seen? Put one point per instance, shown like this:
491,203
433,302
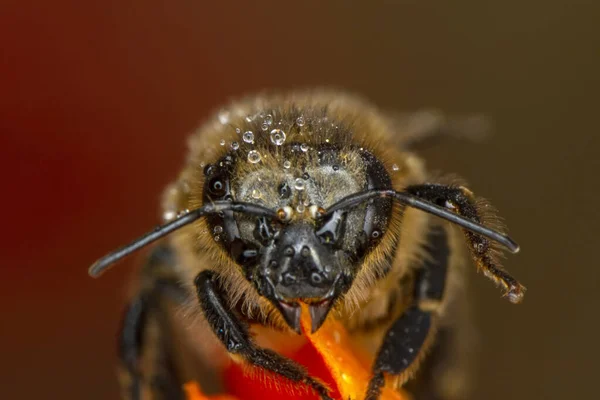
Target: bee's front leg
461,201
234,334
407,340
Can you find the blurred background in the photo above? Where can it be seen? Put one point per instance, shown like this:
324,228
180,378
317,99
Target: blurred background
97,98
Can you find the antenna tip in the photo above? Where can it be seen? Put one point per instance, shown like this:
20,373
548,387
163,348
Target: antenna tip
96,269
511,245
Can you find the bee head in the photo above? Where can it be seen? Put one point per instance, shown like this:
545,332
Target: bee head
304,257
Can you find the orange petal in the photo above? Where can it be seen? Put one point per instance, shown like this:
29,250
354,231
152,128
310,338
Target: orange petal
349,368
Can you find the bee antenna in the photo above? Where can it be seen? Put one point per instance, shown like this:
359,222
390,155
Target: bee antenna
413,201
102,264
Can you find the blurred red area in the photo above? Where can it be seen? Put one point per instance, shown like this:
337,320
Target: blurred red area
93,113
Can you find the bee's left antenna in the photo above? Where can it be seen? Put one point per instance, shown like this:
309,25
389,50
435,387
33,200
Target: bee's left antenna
104,263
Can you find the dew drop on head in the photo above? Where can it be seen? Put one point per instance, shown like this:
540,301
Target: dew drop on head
304,147
300,121
235,145
277,137
287,164
253,156
268,119
222,142
248,137
395,167
299,184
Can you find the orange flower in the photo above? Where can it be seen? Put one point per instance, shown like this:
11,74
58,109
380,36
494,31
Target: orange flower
328,355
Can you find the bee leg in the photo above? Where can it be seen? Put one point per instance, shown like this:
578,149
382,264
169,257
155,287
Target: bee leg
234,334
145,354
461,201
408,339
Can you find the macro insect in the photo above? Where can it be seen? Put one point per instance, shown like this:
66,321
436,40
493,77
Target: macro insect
314,201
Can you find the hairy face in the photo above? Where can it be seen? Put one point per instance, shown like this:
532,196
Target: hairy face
305,259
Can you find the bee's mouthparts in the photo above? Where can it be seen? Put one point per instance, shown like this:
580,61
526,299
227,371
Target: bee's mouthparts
292,313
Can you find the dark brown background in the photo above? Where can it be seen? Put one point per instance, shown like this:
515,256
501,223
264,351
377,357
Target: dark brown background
97,98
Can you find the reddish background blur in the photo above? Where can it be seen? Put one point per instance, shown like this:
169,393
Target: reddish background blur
97,99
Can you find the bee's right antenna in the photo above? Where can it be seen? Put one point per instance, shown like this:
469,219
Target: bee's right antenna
414,201
108,260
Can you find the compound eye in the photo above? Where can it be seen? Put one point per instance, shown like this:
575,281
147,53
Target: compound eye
217,186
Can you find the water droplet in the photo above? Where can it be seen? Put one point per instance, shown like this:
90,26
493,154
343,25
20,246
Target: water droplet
304,147
395,167
300,208
222,142
218,229
253,156
299,184
268,119
224,116
182,213
326,140
300,121
255,194
238,130
169,215
248,118
248,137
235,145
287,164
264,126
305,176
277,137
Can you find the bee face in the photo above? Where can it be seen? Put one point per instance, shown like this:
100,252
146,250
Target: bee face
299,266
304,258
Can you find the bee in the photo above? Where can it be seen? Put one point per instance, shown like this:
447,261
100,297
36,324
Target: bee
310,200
